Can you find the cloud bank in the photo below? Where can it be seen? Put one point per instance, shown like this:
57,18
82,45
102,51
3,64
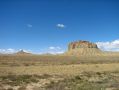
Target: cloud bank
7,51
109,46
50,50
11,51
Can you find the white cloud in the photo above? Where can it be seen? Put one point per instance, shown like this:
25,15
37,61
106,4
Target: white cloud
53,50
7,51
60,25
11,51
109,46
29,25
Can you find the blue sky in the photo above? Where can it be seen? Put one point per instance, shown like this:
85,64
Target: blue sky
38,25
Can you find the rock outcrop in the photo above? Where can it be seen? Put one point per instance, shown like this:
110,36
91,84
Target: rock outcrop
81,44
83,48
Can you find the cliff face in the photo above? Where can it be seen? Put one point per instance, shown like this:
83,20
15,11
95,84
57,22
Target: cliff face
84,48
81,44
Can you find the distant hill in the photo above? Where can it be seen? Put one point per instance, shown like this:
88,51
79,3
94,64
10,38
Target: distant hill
22,52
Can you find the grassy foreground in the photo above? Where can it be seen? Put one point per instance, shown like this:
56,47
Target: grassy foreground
59,73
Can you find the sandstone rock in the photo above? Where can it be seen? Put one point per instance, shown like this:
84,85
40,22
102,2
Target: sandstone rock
83,48
81,44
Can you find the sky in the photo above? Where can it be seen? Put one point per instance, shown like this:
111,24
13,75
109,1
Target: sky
41,26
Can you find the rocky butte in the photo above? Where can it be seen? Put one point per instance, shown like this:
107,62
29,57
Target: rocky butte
81,44
83,48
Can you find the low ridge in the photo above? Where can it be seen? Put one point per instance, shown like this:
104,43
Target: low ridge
22,52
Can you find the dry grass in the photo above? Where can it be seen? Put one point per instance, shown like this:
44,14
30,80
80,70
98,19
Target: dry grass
36,60
59,69
35,64
82,81
33,72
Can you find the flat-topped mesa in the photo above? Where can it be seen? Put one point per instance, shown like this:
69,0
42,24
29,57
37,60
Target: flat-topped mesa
83,48
81,44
